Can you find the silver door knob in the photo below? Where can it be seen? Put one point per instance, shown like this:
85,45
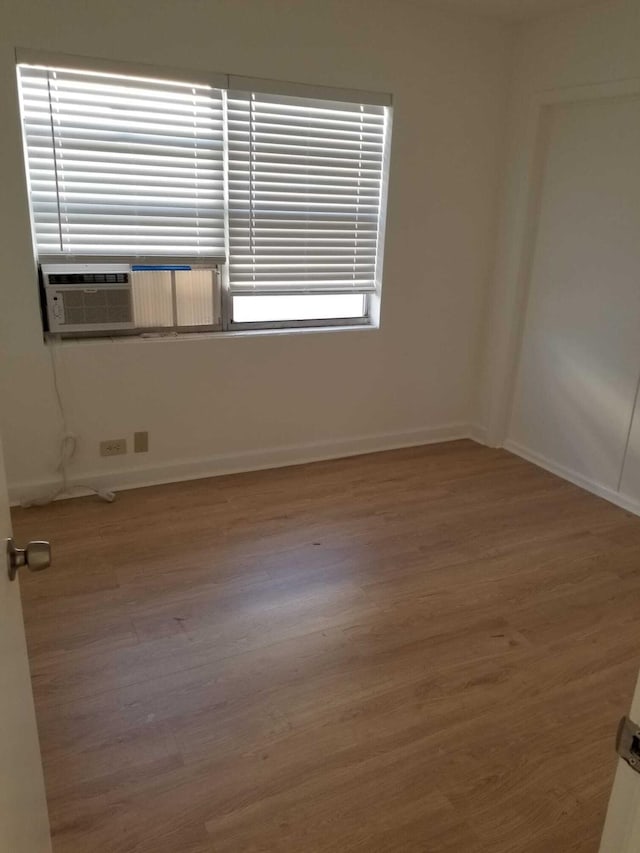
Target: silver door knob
36,557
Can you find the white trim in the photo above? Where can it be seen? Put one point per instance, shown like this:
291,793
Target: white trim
250,460
572,476
27,56
478,433
375,300
304,90
173,336
219,80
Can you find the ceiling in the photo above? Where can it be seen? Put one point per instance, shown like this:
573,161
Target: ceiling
517,10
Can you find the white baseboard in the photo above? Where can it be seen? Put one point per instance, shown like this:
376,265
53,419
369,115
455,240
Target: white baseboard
477,433
589,485
252,460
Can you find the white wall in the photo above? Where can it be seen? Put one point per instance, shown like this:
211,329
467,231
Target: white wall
570,56
204,398
579,362
595,45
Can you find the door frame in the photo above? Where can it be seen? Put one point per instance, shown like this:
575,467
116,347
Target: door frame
512,277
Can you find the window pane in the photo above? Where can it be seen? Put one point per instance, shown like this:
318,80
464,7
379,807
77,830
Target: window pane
270,309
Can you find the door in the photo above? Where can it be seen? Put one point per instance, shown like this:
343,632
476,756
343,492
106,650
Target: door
622,826
24,824
580,358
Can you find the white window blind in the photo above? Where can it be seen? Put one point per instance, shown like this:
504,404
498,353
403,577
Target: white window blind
123,166
305,181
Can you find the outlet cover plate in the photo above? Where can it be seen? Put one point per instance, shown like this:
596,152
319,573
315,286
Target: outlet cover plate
113,447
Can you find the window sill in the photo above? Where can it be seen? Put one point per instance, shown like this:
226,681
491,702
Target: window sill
202,336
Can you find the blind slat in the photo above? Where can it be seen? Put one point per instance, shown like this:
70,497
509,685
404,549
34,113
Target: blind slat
127,166
305,181
123,167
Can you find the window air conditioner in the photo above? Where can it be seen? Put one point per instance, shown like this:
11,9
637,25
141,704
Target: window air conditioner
88,297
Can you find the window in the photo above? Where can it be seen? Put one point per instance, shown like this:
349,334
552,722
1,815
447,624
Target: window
304,204
282,193
123,167
282,308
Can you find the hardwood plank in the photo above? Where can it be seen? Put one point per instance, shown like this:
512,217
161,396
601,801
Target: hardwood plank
420,650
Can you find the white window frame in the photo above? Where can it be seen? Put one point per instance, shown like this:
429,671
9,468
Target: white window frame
230,325
228,82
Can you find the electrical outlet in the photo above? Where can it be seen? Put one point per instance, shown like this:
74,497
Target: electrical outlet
113,447
140,442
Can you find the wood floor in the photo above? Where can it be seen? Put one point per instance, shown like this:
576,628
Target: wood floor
423,650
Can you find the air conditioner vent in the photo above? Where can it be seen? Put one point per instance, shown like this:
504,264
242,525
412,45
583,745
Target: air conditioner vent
102,306
88,278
